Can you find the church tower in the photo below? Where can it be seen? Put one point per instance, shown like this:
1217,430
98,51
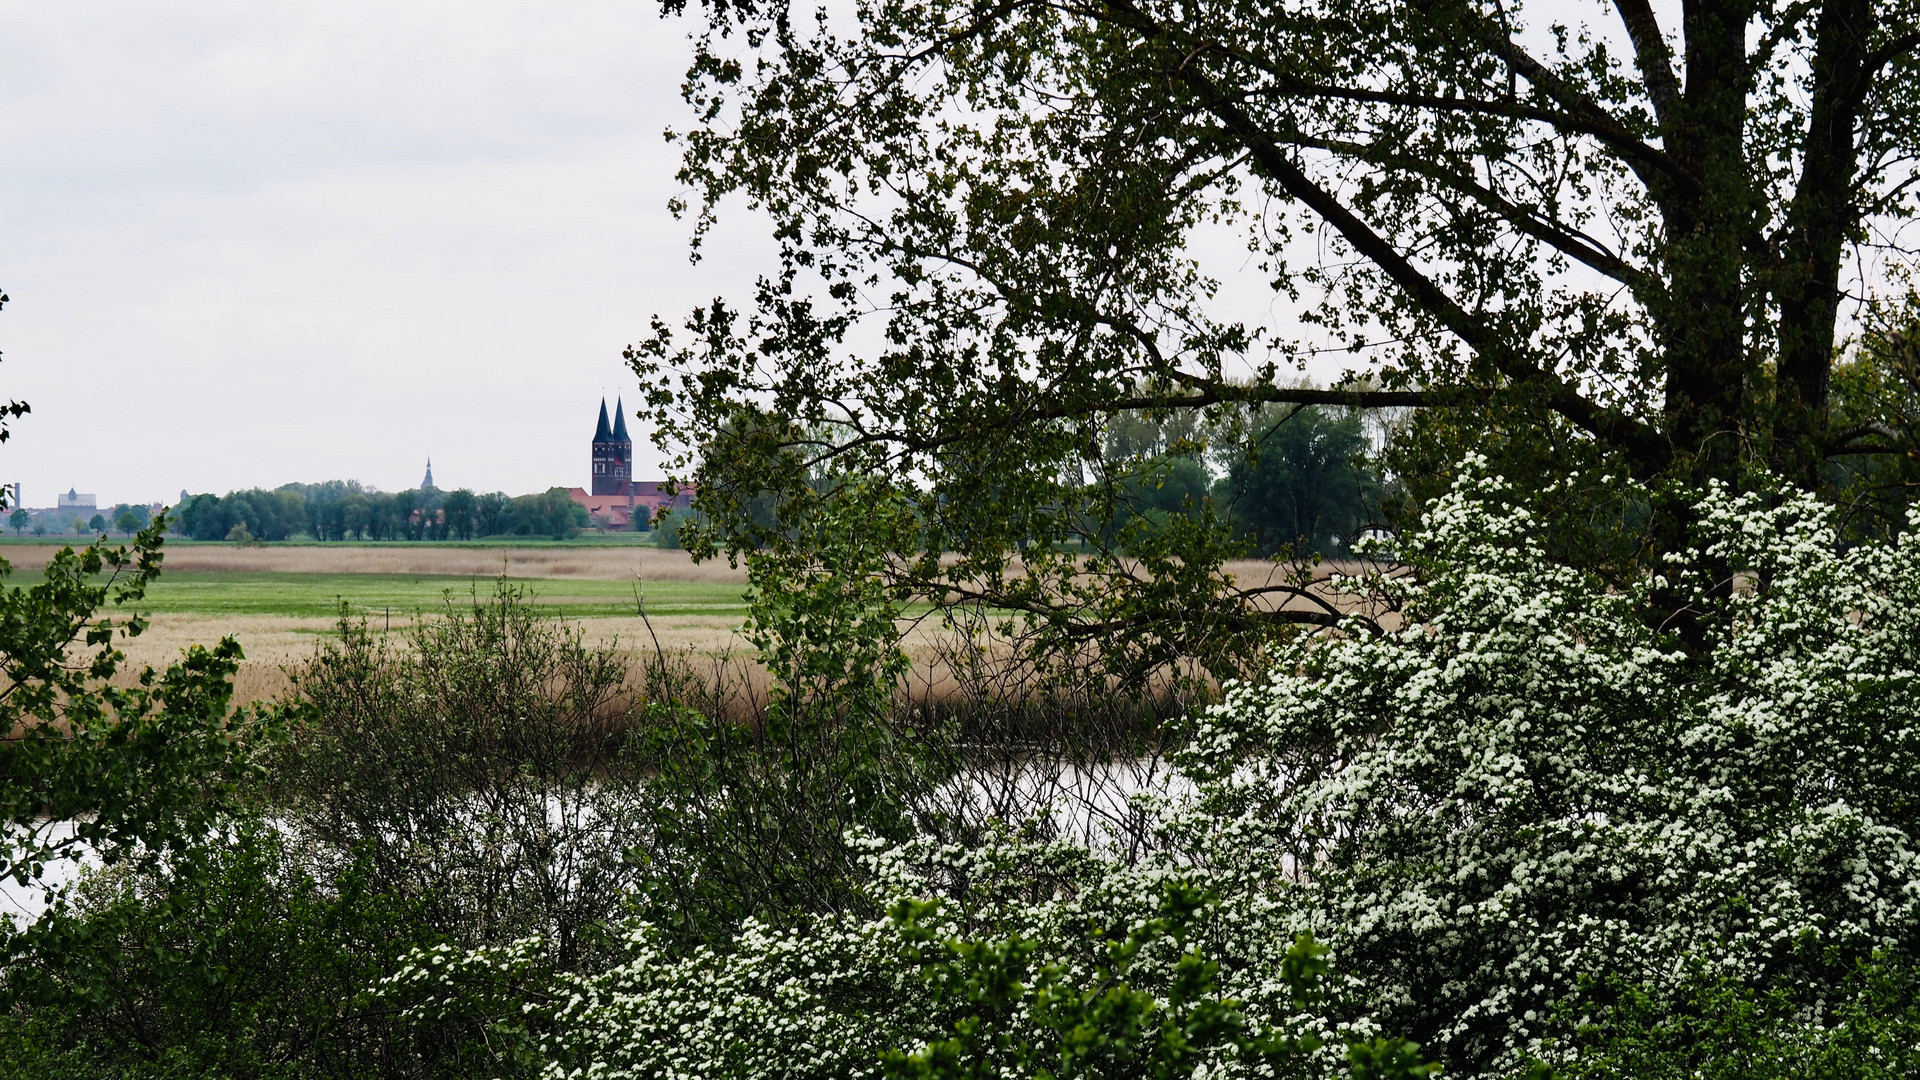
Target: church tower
612,453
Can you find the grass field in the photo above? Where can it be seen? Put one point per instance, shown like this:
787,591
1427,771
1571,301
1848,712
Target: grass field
320,595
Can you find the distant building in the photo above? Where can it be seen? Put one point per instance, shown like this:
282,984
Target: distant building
616,499
74,500
427,484
612,452
606,511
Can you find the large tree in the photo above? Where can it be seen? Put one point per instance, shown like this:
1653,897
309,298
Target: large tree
1638,238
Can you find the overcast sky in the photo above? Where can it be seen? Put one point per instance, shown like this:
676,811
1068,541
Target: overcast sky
252,243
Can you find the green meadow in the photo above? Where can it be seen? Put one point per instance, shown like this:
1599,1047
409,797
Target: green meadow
230,592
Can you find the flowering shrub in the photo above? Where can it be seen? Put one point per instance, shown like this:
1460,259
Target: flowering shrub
1527,798
1113,976
1530,784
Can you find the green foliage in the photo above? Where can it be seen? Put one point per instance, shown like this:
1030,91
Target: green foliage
482,770
1591,515
1516,821
1718,1028
666,530
1300,486
822,613
1532,227
341,510
1112,975
226,959
753,818
130,519
1011,1016
457,513
95,763
1877,407
1151,472
752,823
264,515
19,520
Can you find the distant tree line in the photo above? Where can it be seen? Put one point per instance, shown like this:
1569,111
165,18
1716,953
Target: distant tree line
125,519
347,510
1288,480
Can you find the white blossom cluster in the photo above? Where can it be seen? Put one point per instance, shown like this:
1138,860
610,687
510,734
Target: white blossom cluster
1530,786
828,1002
1533,782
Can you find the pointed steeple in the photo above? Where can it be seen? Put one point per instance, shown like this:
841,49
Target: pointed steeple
620,421
603,433
428,482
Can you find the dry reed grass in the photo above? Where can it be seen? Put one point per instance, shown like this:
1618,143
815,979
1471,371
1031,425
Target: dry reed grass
712,647
273,643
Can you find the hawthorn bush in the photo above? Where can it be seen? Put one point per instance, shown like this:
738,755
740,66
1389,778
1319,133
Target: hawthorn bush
1530,787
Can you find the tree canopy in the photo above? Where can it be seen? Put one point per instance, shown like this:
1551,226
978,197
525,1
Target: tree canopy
1622,247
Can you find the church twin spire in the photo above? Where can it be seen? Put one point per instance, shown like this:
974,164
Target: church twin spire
612,452
618,433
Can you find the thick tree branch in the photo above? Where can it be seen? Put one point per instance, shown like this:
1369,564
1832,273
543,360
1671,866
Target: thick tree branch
1887,54
1650,51
1657,180
1079,630
1848,441
1557,236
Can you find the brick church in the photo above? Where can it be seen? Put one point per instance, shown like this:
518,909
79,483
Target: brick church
617,498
